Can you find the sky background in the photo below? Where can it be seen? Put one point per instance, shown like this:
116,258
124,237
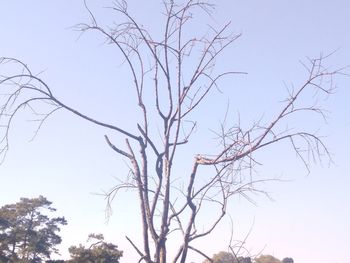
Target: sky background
70,164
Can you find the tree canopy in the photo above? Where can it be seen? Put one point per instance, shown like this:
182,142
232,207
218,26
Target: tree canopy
27,234
287,260
98,252
267,259
227,257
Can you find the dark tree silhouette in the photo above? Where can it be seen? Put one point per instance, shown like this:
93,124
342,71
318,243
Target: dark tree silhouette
287,260
99,251
26,233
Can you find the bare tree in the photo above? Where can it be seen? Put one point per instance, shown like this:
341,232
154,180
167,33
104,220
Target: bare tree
172,76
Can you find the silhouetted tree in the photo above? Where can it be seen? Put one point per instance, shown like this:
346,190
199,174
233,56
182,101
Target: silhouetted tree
98,252
226,257
26,234
244,260
287,260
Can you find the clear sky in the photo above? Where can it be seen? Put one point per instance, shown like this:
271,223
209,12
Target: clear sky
69,162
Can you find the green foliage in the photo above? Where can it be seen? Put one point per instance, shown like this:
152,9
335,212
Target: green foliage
267,259
98,252
225,257
26,234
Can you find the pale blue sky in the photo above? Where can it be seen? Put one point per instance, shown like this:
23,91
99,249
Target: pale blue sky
69,160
